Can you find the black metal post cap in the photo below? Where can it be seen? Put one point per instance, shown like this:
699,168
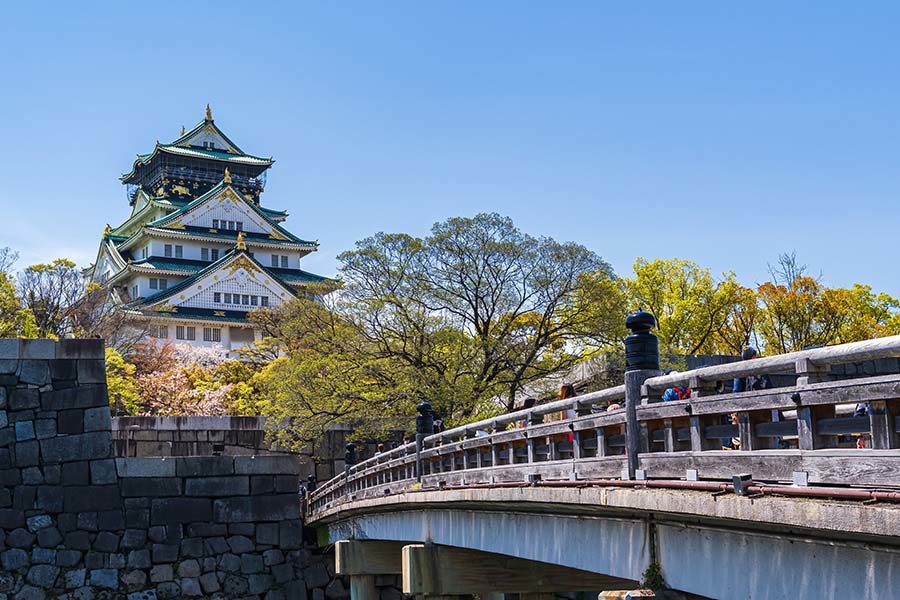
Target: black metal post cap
640,322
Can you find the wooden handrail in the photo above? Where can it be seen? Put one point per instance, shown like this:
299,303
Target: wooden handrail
688,431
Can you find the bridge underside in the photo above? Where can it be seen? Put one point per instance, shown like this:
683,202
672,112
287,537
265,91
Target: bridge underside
728,547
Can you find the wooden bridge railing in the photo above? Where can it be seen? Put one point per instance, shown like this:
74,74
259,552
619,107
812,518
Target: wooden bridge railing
804,434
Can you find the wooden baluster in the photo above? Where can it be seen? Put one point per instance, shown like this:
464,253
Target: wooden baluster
601,441
881,422
576,445
669,439
808,416
698,442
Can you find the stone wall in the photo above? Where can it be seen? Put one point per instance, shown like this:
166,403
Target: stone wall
225,435
78,523
190,436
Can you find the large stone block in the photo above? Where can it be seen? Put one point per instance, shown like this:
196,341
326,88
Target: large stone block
84,396
50,498
97,419
111,520
150,486
165,553
41,349
104,578
27,454
103,471
44,428
92,498
169,511
267,465
74,578
84,446
34,372
62,369
14,559
75,473
75,348
106,541
42,576
9,349
25,431
24,398
91,371
257,508
204,466
145,467
290,534
70,421
217,486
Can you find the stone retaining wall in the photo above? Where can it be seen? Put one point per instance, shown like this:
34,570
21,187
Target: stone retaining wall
78,523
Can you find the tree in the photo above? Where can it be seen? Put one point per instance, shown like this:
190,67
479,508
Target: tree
805,313
15,319
121,384
332,375
696,313
473,312
51,291
508,299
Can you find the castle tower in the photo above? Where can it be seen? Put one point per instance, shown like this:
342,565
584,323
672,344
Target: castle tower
199,250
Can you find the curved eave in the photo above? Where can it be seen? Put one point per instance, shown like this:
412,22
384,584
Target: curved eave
156,315
252,242
241,159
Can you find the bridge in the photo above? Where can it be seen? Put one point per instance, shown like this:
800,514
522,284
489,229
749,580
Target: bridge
572,496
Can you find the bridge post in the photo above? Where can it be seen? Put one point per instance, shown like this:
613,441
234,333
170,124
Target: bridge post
641,363
424,428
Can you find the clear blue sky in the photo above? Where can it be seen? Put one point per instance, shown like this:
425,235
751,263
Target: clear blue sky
712,132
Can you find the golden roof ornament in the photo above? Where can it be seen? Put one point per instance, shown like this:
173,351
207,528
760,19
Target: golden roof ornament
208,113
107,230
183,131
241,244
227,178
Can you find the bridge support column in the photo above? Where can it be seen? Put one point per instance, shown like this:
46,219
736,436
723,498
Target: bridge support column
362,561
445,570
362,587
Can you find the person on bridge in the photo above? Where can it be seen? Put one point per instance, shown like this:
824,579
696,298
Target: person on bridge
749,384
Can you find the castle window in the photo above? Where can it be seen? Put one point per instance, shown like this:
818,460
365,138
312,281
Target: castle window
215,223
191,333
160,332
274,260
167,250
254,300
227,298
217,297
179,332
212,334
264,300
204,254
214,254
284,262
245,300
179,251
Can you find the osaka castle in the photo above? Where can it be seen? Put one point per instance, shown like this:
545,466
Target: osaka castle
199,250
